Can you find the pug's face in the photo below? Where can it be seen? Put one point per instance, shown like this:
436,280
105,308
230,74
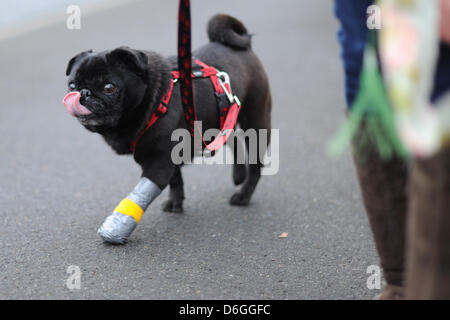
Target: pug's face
105,87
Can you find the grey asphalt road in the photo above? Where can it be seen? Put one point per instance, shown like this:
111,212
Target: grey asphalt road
58,182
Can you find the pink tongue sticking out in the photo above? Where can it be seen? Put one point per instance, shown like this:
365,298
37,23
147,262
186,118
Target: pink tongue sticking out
72,103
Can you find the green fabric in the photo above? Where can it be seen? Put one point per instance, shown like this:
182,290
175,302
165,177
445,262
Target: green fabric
372,106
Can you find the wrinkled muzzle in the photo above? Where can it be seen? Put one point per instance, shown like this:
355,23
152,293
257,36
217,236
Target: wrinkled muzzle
72,103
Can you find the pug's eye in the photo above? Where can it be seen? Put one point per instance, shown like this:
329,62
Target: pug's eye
109,88
72,86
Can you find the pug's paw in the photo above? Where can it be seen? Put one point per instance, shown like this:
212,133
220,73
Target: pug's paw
173,206
239,199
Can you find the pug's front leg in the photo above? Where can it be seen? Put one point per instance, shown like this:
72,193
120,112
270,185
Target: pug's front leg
120,224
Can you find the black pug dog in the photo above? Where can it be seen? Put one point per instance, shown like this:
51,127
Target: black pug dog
120,89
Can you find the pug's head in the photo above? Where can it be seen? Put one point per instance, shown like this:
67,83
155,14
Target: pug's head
105,87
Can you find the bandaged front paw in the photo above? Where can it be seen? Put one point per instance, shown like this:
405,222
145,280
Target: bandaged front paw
118,227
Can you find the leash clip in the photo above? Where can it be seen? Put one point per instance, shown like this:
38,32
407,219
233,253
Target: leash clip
224,80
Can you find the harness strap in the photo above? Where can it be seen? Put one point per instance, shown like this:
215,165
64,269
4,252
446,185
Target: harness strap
210,72
160,111
222,90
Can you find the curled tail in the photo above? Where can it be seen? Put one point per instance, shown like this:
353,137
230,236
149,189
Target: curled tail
229,31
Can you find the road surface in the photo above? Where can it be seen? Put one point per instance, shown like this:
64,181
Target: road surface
58,182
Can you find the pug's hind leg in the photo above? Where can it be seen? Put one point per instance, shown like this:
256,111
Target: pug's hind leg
239,164
176,194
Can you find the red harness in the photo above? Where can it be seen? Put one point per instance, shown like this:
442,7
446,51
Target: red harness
228,110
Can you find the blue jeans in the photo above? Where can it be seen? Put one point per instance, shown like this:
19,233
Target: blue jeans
352,36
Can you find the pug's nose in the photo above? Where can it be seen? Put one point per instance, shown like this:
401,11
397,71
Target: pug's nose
84,93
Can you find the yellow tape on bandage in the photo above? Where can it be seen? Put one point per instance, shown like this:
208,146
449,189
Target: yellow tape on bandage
129,208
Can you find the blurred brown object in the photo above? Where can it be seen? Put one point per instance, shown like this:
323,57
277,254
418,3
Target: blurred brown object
445,21
383,189
428,256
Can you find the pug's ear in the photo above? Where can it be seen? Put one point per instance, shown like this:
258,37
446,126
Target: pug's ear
75,59
134,60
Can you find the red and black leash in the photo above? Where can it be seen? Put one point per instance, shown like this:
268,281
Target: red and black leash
186,83
183,75
185,62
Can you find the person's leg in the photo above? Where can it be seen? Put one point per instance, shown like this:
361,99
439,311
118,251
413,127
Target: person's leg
352,36
428,260
383,188
442,76
428,275
382,183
